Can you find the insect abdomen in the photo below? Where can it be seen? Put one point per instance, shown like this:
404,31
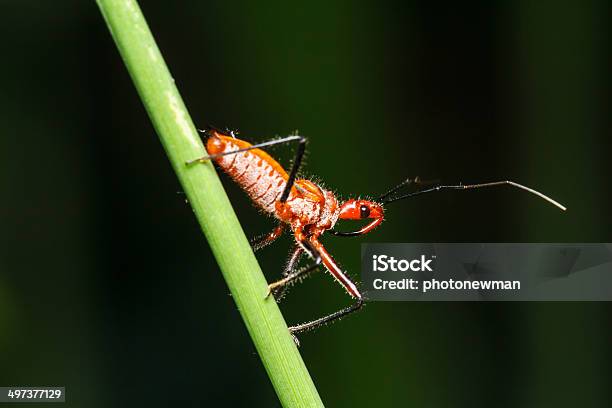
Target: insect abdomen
254,171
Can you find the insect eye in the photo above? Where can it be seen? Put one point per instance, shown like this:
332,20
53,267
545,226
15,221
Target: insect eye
364,211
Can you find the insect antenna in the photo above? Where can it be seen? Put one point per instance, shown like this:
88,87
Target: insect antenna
407,182
394,189
466,187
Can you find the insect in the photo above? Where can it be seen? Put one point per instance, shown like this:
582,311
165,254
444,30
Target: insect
307,209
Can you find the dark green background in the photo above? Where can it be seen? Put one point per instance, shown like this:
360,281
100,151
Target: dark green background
107,285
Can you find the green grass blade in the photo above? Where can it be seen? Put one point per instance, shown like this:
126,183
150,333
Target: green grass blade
212,208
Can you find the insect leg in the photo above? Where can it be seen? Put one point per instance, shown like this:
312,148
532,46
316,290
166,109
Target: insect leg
296,274
291,265
343,279
296,254
264,240
304,327
299,155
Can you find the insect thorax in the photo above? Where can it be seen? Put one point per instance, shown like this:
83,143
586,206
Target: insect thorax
322,213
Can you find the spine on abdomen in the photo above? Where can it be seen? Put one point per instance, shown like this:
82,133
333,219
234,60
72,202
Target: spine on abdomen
254,175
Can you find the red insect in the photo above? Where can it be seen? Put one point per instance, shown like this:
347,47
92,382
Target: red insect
306,208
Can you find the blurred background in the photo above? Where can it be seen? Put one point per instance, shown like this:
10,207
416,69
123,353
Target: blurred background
108,287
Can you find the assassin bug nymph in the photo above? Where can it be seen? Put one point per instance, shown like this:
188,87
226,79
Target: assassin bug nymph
307,209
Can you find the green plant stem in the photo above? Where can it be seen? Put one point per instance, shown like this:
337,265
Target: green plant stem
212,208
